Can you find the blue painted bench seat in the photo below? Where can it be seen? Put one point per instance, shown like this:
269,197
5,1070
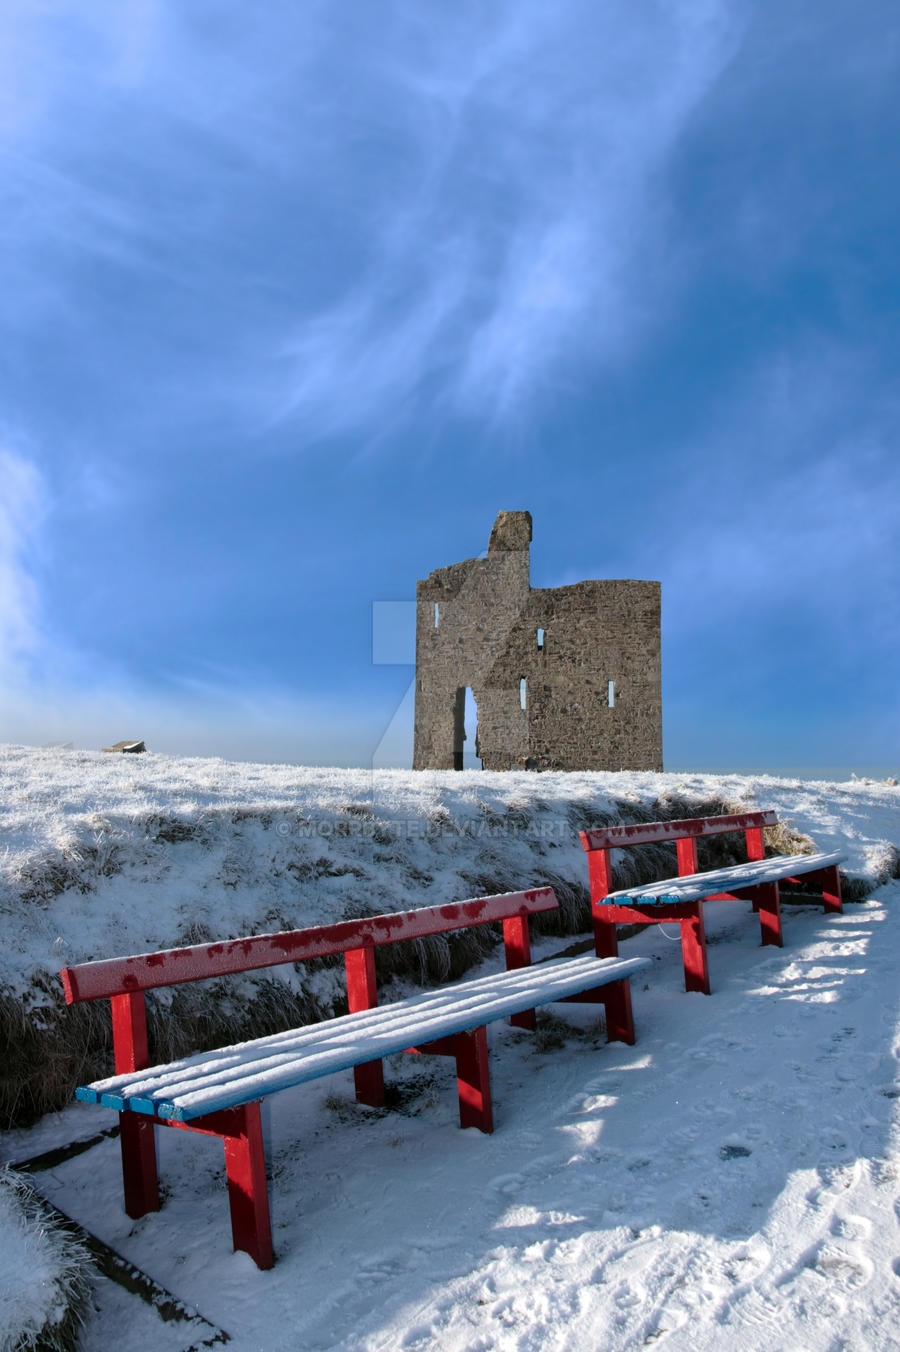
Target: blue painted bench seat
681,899
723,882
208,1082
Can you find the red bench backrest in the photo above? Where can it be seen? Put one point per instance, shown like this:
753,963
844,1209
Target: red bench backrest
645,833
600,840
145,971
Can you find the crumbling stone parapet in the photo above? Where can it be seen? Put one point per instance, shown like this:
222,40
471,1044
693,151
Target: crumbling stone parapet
564,678
512,531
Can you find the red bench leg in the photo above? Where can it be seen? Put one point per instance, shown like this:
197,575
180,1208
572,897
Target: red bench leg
829,879
619,1019
369,1083
362,993
245,1166
136,1139
606,943
139,1176
616,997
769,906
517,942
473,1079
693,951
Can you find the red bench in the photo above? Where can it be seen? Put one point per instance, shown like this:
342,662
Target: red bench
219,1093
681,899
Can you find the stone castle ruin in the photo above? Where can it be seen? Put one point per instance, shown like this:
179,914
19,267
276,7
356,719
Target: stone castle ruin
563,678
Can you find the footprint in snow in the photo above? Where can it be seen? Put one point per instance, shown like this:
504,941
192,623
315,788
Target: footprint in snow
747,1262
759,1308
839,1036
852,1226
625,1270
507,1183
734,1152
844,1265
711,1111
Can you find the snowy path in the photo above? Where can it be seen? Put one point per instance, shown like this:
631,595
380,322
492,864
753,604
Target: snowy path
733,1180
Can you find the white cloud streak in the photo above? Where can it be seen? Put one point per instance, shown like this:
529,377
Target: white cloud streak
20,510
482,186
530,233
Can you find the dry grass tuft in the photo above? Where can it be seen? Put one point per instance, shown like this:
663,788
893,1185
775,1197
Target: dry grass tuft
44,1054
551,1032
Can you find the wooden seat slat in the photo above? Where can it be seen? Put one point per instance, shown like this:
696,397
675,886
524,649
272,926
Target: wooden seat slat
213,1081
701,886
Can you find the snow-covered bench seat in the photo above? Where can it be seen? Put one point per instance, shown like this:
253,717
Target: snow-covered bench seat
681,899
219,1092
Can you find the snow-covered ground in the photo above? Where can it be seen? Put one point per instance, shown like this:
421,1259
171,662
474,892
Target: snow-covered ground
731,1181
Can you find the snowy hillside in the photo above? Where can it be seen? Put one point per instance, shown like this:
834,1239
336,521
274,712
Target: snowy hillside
111,854
107,855
732,1180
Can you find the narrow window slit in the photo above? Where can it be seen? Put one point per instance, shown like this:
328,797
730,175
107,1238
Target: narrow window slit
540,638
611,694
437,614
523,692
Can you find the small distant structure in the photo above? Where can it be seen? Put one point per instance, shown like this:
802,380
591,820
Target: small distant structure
126,747
563,678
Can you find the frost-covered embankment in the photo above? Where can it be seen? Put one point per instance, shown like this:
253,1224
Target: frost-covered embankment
44,1273
106,855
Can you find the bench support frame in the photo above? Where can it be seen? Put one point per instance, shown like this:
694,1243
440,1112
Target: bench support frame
473,1079
687,914
136,1139
240,1130
124,981
362,993
829,880
473,1074
765,897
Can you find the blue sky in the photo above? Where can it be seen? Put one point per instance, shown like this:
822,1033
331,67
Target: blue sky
296,298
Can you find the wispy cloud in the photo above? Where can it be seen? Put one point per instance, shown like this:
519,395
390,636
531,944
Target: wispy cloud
20,511
458,210
474,197
527,231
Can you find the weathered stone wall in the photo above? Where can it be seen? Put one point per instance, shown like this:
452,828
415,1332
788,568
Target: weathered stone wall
477,625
